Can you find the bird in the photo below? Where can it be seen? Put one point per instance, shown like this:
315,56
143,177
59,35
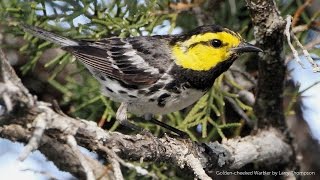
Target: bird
155,75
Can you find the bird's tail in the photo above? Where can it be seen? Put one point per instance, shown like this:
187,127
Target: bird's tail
49,36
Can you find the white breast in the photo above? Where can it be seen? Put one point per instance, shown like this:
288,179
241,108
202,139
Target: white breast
141,104
173,103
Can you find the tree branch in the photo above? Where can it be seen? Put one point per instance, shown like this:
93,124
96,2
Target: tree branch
268,30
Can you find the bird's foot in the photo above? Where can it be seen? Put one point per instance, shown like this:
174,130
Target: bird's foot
122,118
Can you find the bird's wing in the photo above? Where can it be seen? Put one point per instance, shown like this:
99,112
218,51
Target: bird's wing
136,61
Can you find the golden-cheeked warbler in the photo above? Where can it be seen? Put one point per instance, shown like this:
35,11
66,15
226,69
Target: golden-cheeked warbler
152,75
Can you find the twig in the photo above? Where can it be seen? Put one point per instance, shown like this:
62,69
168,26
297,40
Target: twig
288,35
313,43
114,160
6,85
309,87
240,111
195,164
310,45
116,168
33,144
71,141
44,173
7,100
12,83
315,66
300,28
4,76
138,169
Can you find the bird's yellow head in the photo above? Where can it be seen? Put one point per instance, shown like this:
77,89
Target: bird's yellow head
206,46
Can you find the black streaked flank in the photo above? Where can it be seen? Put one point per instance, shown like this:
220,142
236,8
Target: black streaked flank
108,89
122,92
99,75
173,87
102,78
142,91
154,88
162,99
151,100
132,96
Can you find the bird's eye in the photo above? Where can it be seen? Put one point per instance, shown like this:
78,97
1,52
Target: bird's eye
216,43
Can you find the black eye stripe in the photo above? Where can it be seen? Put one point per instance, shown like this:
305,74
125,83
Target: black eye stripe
201,42
207,43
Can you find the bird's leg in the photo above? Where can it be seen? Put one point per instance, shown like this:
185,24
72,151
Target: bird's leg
122,117
150,118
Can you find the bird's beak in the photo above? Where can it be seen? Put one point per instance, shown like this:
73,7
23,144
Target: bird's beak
246,47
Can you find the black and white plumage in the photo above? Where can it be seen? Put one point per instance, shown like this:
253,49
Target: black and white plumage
140,72
135,70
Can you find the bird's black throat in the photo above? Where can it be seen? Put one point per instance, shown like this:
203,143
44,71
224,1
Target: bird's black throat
200,80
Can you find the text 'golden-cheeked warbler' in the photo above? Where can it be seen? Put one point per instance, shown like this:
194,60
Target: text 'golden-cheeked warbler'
152,75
